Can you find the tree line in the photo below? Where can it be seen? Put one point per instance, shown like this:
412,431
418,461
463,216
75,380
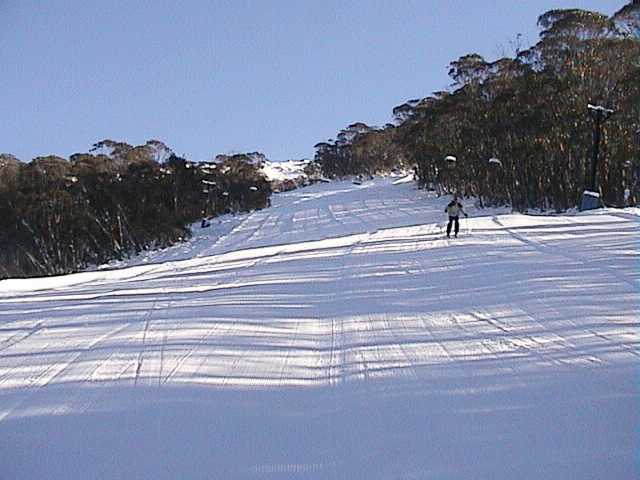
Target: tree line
518,131
60,215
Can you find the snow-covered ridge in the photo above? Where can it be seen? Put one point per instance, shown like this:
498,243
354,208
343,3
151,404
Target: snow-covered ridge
281,171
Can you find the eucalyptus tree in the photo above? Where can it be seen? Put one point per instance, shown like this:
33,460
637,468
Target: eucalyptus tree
58,215
627,19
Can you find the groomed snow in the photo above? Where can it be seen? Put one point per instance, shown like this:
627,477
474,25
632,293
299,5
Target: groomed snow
335,335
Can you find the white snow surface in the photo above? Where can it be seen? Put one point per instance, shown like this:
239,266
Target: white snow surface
288,170
335,335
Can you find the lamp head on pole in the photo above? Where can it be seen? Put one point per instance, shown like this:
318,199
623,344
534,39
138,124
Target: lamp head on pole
600,112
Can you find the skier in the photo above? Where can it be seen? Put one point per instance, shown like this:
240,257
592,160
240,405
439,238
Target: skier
204,223
454,209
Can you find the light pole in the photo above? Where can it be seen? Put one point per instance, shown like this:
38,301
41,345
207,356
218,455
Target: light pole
450,162
590,197
495,164
635,172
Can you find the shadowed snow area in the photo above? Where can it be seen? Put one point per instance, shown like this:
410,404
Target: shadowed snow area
335,335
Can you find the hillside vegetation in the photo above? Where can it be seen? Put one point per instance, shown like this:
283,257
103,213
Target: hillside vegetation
517,131
59,216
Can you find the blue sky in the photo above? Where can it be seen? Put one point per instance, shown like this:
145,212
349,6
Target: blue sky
210,77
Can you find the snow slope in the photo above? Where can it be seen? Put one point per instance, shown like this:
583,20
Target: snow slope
335,335
287,170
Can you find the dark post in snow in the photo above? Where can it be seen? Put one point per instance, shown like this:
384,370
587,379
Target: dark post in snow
450,161
591,197
635,172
